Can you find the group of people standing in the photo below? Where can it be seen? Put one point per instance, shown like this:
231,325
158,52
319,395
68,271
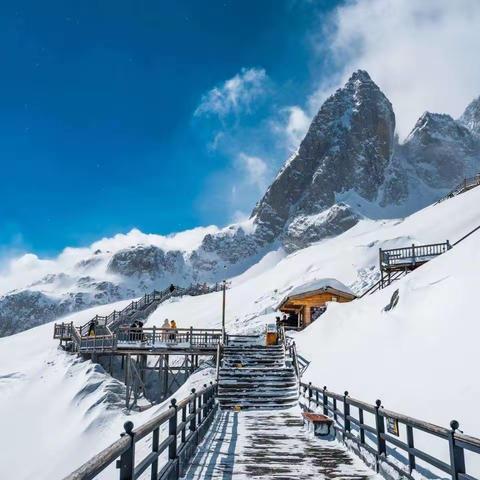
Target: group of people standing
135,331
172,326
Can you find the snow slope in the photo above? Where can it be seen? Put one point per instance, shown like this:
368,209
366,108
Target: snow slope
58,410
419,358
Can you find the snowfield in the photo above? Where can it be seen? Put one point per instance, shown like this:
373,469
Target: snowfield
419,359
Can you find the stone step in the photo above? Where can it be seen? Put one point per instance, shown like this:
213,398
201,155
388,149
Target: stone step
254,354
256,348
257,403
239,363
252,383
258,393
258,372
258,353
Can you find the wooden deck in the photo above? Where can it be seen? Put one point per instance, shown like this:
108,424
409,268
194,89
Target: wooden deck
152,339
271,445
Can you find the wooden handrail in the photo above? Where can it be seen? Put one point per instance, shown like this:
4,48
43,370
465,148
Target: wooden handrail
383,434
202,404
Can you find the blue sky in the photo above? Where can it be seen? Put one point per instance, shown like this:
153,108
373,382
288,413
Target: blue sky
165,115
98,126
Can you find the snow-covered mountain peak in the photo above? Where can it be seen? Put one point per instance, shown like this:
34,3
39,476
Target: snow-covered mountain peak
471,117
431,126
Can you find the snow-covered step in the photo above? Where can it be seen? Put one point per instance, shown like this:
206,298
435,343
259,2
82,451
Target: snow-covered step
256,376
255,385
256,372
264,394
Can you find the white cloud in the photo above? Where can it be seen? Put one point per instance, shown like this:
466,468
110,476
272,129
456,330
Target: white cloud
235,94
422,54
292,126
19,271
255,170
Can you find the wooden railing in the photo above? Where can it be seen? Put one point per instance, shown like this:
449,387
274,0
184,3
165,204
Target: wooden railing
184,434
117,317
204,337
300,364
381,432
466,185
106,326
397,257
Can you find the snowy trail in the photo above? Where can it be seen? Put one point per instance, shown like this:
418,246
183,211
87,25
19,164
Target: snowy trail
271,444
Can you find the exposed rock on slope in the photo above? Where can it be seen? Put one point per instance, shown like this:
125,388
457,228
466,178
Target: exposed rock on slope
306,229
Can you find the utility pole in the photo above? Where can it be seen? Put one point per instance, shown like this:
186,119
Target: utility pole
224,289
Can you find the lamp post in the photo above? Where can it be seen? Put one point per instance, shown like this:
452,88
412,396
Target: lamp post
224,290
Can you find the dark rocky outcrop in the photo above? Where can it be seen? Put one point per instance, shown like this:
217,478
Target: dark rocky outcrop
347,147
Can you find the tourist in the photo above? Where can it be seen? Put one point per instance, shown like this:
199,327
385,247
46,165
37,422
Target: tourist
165,327
140,336
173,330
91,328
132,331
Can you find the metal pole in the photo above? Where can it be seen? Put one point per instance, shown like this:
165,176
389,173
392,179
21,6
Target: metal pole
223,309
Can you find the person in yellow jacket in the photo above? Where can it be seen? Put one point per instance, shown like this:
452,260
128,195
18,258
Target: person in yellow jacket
173,329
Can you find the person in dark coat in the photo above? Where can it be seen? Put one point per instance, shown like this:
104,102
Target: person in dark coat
140,335
171,288
132,331
91,328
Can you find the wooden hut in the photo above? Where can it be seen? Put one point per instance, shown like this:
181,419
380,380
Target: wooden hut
307,302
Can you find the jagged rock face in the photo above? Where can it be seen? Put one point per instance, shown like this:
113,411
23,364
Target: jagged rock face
27,309
229,246
146,261
348,147
440,150
471,117
307,229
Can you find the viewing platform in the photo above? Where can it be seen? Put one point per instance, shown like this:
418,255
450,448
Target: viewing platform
146,340
395,261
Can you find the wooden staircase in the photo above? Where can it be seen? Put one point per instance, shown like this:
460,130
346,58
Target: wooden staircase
256,376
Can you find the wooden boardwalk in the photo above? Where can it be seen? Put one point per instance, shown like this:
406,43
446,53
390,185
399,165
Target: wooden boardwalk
271,444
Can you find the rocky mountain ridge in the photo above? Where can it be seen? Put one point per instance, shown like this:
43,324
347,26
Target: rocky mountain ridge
349,165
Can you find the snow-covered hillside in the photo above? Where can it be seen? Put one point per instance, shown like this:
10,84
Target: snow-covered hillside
419,358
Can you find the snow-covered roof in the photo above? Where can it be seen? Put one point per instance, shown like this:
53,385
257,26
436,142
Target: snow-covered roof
321,284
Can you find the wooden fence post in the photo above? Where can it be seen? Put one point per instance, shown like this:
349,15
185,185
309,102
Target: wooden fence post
193,421
362,431
380,427
184,419
346,414
457,455
155,444
325,401
205,402
410,443
172,431
126,464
